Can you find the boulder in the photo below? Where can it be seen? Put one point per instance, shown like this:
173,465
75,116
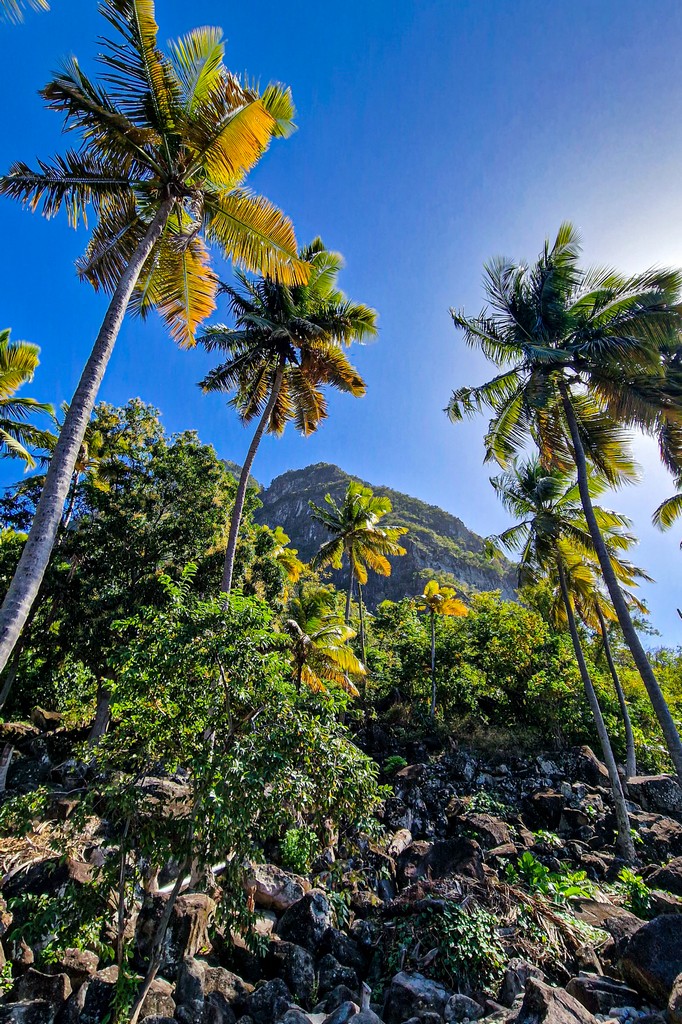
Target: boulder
675,1002
661,836
295,1016
306,921
96,996
159,1000
36,1012
339,995
620,923
658,793
45,721
545,1005
187,932
273,888
652,959
52,988
668,877
515,978
295,965
400,841
599,994
346,950
77,964
269,1002
343,1013
460,1007
410,995
590,768
50,876
442,859
203,989
487,830
331,974
162,794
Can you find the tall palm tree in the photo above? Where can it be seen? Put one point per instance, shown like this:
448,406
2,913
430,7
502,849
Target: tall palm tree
584,356
437,600
670,510
18,363
286,346
319,641
356,534
13,10
550,529
595,609
166,141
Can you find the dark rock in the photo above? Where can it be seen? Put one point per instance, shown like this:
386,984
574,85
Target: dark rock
488,830
543,810
658,793
45,721
620,923
159,1000
97,995
343,1013
166,795
187,932
295,965
409,995
156,1019
217,1010
599,994
545,1005
675,1002
273,888
664,903
460,1006
346,950
197,981
269,1002
668,877
331,974
337,997
590,768
295,1016
37,1012
442,859
51,876
653,957
515,978
661,837
77,964
52,988
306,921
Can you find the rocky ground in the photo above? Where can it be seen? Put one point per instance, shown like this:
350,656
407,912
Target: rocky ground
493,893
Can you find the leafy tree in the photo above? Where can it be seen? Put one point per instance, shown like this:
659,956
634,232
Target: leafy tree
437,600
286,346
320,641
583,354
166,142
551,529
356,534
18,363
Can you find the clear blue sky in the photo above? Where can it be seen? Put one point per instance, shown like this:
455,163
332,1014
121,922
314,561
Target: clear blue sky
432,135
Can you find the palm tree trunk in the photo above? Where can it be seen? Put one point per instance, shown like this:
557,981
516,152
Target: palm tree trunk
240,497
362,626
630,753
73,488
349,595
661,709
433,664
34,559
624,841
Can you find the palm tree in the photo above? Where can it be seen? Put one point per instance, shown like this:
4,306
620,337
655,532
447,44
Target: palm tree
584,355
594,609
356,534
13,10
437,600
18,363
550,529
286,345
670,510
319,641
166,142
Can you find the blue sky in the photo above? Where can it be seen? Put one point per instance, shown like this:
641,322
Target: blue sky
432,136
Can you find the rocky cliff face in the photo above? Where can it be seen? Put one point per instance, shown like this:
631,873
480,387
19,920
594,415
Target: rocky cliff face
437,542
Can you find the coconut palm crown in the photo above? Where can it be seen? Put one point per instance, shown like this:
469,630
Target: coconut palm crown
18,363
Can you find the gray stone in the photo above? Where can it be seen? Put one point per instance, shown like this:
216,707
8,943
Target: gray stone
187,933
37,1012
159,1000
668,877
306,921
515,978
409,995
273,888
52,988
331,974
653,958
295,965
600,994
77,964
269,1001
343,1013
96,996
545,1005
658,793
459,1007
675,1002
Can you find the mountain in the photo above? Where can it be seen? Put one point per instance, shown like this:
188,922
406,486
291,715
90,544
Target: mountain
437,542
